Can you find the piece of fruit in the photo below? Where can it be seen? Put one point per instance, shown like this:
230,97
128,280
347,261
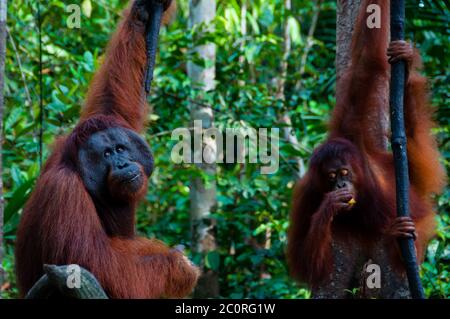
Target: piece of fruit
352,202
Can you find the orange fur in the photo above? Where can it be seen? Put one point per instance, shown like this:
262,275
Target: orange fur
360,95
61,223
117,87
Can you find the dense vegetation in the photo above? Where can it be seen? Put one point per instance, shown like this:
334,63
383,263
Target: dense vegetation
252,212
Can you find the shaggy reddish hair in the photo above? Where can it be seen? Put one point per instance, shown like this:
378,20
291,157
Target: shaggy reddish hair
61,223
355,136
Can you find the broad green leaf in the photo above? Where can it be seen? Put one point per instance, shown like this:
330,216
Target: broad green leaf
212,260
18,199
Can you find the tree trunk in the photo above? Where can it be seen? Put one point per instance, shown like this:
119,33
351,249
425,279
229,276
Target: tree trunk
3,11
347,11
351,262
203,195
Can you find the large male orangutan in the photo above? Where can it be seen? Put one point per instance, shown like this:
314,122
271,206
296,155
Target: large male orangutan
344,209
83,208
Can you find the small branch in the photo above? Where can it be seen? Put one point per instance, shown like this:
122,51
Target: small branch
288,132
243,42
309,43
19,63
55,281
201,104
286,54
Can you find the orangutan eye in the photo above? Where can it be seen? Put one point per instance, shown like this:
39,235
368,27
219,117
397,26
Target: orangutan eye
119,149
107,153
332,175
344,172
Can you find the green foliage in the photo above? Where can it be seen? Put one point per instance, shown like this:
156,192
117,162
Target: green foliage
252,211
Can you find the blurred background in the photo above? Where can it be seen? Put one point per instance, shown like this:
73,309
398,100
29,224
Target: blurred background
274,67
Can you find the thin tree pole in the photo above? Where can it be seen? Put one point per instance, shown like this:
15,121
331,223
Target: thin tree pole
398,142
3,11
243,40
202,194
285,118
